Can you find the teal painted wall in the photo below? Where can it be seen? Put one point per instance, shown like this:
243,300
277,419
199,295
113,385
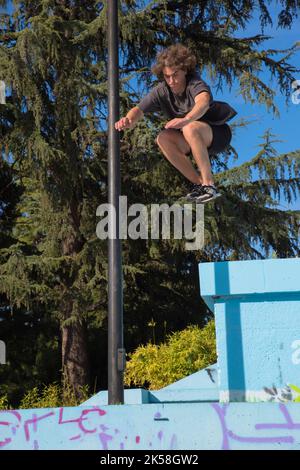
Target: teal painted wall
177,426
257,312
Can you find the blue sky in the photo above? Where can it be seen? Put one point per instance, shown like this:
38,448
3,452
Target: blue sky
286,127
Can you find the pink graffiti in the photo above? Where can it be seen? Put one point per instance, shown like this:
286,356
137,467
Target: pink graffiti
89,421
10,425
34,422
83,417
75,437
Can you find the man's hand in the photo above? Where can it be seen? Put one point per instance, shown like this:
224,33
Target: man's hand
177,123
124,123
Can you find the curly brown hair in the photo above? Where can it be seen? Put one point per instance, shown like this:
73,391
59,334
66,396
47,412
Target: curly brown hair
178,56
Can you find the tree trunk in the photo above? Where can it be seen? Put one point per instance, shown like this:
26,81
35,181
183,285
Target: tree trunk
75,361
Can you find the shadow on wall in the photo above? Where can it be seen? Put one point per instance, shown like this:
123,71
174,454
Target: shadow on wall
231,316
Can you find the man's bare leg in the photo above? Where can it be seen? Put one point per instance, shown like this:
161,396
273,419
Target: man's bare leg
199,137
175,148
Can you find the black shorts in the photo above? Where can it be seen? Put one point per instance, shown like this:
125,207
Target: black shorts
221,138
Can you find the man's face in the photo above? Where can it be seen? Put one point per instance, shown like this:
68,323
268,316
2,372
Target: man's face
175,78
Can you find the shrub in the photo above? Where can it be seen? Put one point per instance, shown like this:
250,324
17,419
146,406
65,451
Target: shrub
4,405
52,396
185,352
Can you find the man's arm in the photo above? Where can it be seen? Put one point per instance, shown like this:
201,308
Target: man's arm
130,120
201,106
202,102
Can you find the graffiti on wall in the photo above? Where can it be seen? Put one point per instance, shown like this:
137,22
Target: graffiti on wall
92,426
296,390
286,424
84,423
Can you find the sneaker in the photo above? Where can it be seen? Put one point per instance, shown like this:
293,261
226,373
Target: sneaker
195,192
208,193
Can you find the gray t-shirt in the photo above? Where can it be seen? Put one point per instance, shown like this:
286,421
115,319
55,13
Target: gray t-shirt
161,98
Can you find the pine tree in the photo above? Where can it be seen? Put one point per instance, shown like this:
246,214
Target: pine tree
53,57
48,64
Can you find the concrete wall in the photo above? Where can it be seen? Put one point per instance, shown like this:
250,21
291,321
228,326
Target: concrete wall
177,426
257,312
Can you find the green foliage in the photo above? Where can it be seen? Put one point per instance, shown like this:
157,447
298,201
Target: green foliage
49,396
4,405
52,396
184,353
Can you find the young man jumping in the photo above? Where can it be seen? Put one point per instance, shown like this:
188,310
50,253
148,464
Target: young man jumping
197,123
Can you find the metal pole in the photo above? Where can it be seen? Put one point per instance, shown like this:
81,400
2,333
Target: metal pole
116,354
